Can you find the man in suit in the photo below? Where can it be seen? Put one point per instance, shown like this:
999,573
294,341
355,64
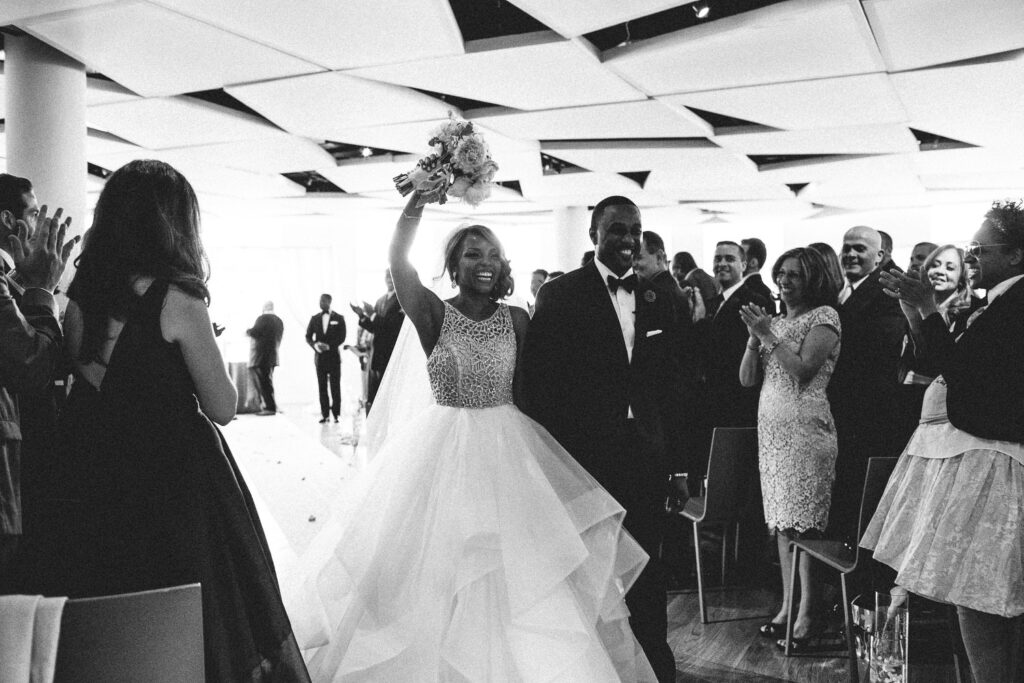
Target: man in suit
326,333
537,278
918,255
600,372
887,264
687,274
723,339
264,341
30,340
862,391
384,321
756,254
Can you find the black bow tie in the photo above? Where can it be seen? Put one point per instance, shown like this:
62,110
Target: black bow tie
628,283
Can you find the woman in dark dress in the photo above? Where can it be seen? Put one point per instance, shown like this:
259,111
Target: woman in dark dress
147,492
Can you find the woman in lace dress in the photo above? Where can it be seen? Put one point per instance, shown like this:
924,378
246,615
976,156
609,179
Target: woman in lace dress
473,548
795,353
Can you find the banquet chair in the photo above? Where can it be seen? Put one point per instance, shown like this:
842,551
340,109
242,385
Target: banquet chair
732,469
839,556
154,636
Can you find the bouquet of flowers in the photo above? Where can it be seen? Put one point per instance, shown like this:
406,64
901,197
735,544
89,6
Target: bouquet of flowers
460,166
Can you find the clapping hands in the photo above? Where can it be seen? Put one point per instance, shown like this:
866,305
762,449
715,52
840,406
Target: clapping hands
364,310
915,297
41,255
757,320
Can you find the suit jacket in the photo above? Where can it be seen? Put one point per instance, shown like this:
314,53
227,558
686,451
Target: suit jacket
984,369
705,284
334,337
864,383
265,335
30,356
757,286
579,383
385,325
723,340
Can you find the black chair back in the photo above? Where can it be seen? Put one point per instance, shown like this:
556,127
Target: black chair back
875,480
732,473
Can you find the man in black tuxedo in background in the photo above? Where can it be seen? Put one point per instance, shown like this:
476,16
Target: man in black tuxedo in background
863,388
264,341
384,321
600,372
756,254
325,333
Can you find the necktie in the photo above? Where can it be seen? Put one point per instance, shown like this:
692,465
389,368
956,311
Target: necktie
628,283
845,294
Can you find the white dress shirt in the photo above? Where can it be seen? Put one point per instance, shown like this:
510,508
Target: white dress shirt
326,320
625,306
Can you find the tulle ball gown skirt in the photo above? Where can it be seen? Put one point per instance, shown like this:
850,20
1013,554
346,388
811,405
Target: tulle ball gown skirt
475,549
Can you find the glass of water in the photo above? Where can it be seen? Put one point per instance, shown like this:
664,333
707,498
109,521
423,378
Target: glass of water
889,638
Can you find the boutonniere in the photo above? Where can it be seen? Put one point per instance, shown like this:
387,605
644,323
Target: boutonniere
650,297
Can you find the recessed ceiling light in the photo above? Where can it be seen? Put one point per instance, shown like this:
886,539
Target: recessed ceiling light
701,9
366,152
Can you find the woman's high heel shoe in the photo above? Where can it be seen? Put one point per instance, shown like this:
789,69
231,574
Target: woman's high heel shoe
805,644
772,630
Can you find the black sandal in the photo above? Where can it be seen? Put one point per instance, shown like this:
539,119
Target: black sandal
772,630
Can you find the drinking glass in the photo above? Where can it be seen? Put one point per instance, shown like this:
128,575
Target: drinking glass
889,638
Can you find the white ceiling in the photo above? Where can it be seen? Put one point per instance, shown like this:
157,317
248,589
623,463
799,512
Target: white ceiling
845,79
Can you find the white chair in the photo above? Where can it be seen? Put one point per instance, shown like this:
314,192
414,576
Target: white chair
153,636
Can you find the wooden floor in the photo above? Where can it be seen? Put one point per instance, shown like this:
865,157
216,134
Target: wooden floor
727,649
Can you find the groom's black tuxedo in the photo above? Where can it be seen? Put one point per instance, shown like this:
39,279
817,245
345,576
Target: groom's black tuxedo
579,383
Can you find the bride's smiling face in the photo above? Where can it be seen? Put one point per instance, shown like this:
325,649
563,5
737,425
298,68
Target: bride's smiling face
479,265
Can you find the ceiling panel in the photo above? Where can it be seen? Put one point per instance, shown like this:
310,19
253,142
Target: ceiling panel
278,154
18,11
928,32
529,71
817,103
232,182
966,181
337,35
578,189
320,106
877,139
576,17
686,190
849,169
176,122
675,167
966,160
978,102
789,41
141,47
99,91
100,144
374,173
643,119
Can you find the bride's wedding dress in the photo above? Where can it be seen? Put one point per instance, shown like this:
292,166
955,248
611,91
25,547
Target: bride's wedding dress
474,548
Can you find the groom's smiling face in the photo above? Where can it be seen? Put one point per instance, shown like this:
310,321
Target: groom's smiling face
617,238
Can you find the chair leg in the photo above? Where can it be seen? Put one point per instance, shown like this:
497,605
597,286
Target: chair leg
700,573
790,615
725,549
851,651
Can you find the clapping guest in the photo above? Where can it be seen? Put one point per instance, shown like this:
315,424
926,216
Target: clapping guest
795,354
950,519
944,272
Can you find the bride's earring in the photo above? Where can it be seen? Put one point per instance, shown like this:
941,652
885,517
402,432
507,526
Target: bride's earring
455,281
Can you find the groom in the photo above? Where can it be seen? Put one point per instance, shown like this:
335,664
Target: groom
600,372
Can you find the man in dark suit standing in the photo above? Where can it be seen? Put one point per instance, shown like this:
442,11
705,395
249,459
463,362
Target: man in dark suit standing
264,341
723,339
600,372
687,274
30,345
863,389
384,321
326,333
756,254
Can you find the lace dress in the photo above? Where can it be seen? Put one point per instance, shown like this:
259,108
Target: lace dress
796,435
474,548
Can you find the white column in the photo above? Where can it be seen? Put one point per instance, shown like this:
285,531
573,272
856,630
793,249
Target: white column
572,236
45,124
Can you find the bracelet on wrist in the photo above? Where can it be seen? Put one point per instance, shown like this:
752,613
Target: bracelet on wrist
770,347
755,346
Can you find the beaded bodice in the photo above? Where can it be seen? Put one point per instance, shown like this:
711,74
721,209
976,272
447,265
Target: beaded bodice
473,362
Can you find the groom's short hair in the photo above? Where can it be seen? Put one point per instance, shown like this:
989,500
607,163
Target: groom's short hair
614,200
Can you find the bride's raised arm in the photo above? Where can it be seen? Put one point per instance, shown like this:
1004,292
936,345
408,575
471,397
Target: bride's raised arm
423,308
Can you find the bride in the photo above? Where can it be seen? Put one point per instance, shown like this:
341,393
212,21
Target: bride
474,548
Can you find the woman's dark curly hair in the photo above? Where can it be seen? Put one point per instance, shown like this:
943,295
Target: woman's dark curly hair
819,288
504,285
146,223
